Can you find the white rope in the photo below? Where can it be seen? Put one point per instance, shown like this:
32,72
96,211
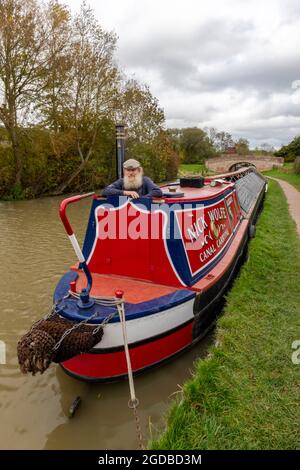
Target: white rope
119,303
100,300
133,402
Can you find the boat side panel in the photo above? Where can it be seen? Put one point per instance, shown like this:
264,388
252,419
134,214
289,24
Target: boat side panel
205,235
125,248
249,190
113,365
183,245
147,327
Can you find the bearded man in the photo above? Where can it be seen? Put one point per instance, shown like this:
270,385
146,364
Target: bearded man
134,184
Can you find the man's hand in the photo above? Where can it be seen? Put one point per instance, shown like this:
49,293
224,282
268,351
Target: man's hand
132,194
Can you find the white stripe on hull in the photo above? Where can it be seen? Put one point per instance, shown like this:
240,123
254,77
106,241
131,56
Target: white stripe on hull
146,327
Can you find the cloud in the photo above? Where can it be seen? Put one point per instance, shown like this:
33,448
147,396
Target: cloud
228,64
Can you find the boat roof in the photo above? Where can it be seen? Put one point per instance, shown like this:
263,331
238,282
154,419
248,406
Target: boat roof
188,193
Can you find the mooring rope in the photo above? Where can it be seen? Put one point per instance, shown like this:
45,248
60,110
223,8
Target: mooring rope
133,400
107,301
38,348
133,403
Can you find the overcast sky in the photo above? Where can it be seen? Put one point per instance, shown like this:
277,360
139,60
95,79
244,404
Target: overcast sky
229,64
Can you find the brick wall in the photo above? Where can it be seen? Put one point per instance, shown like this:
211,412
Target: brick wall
223,163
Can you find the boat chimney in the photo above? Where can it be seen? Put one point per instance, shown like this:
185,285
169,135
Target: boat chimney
120,149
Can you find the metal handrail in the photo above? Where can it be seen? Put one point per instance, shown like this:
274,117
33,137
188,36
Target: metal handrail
63,206
85,301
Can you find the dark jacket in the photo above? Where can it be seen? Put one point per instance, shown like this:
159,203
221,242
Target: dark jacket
148,188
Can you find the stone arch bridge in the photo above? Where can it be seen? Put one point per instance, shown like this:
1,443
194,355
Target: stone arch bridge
223,163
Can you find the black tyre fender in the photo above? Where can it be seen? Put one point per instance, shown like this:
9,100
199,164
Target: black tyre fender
204,319
252,231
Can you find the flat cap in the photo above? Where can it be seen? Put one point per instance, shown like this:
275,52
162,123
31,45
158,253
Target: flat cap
131,164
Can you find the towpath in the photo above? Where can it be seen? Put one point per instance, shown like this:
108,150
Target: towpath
293,198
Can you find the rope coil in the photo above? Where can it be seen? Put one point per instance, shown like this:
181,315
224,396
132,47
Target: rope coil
56,339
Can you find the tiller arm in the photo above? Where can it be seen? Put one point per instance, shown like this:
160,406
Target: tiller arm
85,301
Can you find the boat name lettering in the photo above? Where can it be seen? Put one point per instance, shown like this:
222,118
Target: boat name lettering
223,238
219,213
207,253
197,229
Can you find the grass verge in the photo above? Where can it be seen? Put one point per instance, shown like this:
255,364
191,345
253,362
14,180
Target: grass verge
245,395
286,173
193,169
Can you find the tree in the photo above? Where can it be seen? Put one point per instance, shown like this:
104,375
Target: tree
54,94
158,157
267,148
291,151
221,141
213,136
22,46
171,155
146,139
224,141
242,147
195,145
138,109
90,87
60,94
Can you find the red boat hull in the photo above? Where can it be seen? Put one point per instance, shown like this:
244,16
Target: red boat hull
110,366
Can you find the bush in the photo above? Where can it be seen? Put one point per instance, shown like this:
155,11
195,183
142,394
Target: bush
50,158
297,165
159,158
291,151
7,171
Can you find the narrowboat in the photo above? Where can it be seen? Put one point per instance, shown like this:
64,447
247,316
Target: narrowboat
168,260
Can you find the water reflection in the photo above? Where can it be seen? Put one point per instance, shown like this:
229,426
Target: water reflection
104,421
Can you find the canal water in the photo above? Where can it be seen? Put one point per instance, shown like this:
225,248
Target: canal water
34,253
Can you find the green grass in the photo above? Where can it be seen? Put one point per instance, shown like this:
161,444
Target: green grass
193,169
286,173
245,395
